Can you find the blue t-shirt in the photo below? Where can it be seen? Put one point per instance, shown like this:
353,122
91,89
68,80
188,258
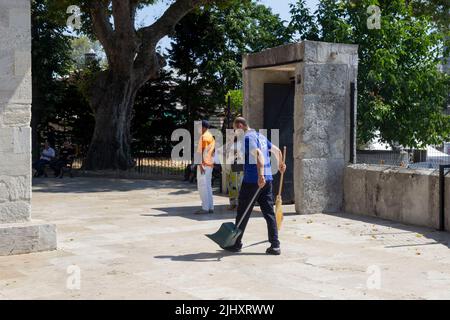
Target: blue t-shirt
253,140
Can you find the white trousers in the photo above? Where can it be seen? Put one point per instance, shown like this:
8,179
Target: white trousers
205,188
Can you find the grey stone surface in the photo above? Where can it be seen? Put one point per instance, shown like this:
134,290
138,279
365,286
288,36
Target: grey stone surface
279,55
27,237
18,234
393,193
324,79
318,185
139,239
320,125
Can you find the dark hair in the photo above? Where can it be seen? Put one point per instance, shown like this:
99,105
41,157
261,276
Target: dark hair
205,124
241,120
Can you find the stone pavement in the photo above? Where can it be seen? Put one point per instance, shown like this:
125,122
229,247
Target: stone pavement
136,239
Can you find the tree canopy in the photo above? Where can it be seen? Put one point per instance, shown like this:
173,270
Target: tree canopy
401,93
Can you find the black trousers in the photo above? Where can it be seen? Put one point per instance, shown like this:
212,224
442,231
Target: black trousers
39,166
58,165
266,203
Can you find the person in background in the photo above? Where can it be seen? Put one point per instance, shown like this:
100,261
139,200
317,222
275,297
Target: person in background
205,150
257,176
47,155
234,172
66,154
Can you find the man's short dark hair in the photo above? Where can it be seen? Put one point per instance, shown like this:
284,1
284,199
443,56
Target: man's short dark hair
241,120
205,124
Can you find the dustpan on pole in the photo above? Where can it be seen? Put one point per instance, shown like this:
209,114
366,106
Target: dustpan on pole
228,233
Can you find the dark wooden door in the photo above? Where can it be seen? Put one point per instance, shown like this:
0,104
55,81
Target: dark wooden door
279,114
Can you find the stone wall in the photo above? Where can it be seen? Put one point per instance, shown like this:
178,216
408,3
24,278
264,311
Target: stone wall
394,193
18,234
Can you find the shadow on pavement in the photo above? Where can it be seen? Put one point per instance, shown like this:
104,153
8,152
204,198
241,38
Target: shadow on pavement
89,185
208,256
220,212
410,236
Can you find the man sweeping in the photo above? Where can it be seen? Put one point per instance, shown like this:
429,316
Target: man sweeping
257,175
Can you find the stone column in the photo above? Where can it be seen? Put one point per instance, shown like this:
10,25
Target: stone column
322,125
18,234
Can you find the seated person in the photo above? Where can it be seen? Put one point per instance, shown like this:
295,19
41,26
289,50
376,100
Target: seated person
66,154
47,155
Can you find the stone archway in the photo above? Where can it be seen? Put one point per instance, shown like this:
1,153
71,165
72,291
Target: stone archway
18,233
323,138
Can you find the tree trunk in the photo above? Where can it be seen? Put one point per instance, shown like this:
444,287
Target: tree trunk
110,146
132,60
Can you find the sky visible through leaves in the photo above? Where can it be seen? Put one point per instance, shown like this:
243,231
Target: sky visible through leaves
149,14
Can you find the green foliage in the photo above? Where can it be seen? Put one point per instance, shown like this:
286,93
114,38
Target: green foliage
82,45
50,62
302,25
56,97
207,50
401,93
155,116
437,10
236,100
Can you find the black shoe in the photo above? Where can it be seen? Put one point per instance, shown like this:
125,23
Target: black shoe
273,251
234,249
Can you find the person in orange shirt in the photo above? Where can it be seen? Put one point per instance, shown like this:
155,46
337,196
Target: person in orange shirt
206,148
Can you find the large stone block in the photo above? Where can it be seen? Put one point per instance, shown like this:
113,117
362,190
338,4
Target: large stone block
19,18
19,4
26,238
330,53
15,188
15,115
4,18
22,140
283,54
16,89
355,203
397,194
15,211
15,140
6,141
318,185
325,79
15,164
320,130
6,64
22,63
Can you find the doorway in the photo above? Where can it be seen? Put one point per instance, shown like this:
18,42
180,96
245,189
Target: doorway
279,114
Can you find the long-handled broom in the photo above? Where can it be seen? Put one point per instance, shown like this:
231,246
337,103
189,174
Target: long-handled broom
279,200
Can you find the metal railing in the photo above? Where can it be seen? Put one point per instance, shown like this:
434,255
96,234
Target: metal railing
158,165
430,158
148,164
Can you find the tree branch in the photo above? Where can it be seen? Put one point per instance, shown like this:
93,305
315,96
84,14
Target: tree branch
150,36
101,25
164,25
